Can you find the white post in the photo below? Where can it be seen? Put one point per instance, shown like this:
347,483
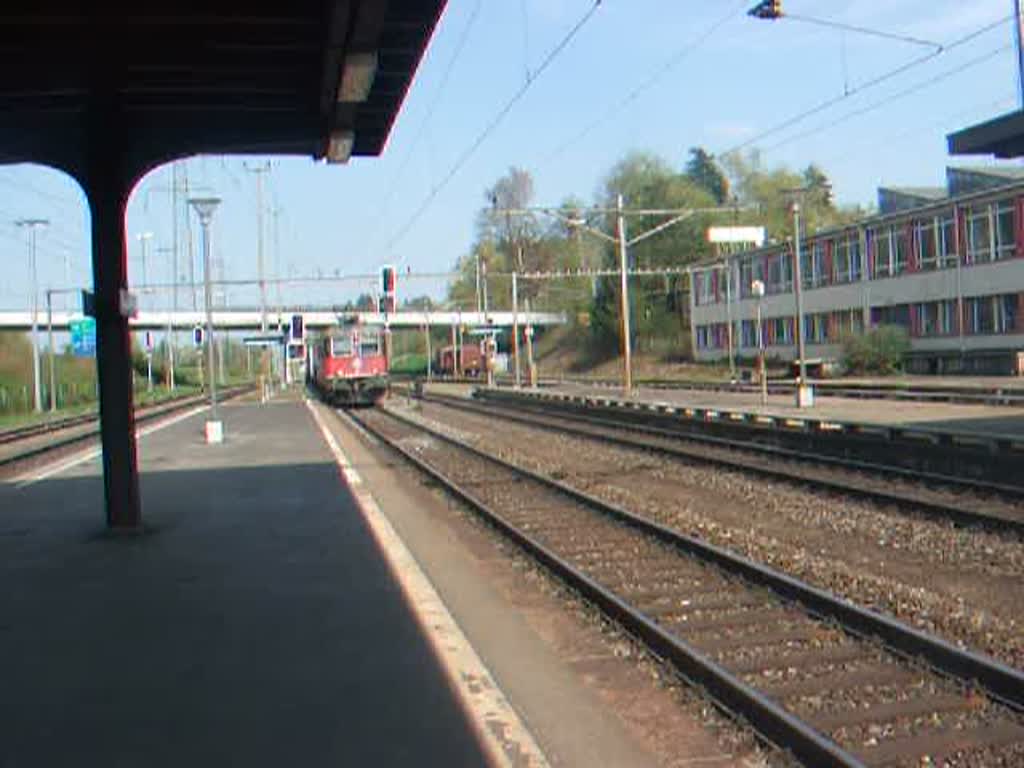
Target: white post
728,315
49,330
627,359
515,327
35,326
804,394
757,289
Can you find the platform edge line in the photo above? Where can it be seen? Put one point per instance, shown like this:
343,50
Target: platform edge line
481,698
38,475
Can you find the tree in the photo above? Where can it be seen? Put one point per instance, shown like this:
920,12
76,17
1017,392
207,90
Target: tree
703,171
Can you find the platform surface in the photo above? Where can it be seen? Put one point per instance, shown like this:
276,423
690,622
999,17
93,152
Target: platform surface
253,622
984,420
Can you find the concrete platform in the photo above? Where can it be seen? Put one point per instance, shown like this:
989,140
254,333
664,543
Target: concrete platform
966,419
252,623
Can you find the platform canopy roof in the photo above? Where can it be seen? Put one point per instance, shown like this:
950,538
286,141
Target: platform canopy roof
1001,137
322,78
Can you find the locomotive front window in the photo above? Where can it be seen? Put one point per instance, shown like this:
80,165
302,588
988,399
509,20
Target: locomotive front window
341,345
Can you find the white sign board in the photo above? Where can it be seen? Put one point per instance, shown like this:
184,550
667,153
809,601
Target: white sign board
753,235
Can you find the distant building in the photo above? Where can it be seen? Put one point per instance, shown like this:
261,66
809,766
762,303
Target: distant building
949,268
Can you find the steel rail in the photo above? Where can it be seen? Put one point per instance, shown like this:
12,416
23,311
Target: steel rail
1000,680
992,396
947,512
178,405
774,723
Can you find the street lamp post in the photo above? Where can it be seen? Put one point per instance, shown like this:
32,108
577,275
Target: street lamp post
33,225
204,208
804,395
757,289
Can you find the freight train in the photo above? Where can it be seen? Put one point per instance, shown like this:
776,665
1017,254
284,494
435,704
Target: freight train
471,361
348,365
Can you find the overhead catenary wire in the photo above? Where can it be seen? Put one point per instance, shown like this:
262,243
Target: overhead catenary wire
649,82
898,96
871,83
428,117
873,143
493,124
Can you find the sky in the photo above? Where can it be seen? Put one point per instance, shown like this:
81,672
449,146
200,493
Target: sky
652,75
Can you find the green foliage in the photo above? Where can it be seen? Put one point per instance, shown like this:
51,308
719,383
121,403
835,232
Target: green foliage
703,171
881,350
525,242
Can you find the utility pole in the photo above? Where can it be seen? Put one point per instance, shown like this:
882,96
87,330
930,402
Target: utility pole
798,293
169,341
144,238
260,171
515,326
33,225
627,353
49,331
622,245
1018,36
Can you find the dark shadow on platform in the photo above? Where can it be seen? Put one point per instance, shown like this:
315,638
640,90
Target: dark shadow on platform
253,623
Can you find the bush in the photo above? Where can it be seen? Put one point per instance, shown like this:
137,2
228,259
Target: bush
881,350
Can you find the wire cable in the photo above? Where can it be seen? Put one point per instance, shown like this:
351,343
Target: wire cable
493,125
862,30
878,80
438,92
653,79
899,95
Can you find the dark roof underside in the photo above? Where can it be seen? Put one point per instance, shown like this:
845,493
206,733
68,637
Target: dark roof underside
184,78
1002,137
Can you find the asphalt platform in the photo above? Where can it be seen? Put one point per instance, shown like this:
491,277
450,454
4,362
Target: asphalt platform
253,622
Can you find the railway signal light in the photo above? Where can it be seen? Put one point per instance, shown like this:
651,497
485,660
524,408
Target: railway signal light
767,9
388,276
197,336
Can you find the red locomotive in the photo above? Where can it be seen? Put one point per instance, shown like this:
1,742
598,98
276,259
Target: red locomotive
348,366
471,361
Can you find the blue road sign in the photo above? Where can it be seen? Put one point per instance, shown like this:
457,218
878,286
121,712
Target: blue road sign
83,337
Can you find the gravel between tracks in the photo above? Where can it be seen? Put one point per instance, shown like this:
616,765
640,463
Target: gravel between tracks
956,583
601,549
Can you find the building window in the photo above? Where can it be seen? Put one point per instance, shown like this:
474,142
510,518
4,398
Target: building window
819,272
841,259
748,334
979,235
927,245
1005,231
883,253
946,317
948,255
853,250
900,251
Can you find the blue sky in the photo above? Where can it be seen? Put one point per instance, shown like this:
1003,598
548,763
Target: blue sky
574,122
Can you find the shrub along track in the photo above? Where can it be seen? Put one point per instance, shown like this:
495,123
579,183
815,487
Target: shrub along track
801,666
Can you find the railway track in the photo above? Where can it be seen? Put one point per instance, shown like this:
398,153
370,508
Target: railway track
16,458
851,477
1010,395
830,682
44,427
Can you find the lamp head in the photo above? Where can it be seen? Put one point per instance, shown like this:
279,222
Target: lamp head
204,207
